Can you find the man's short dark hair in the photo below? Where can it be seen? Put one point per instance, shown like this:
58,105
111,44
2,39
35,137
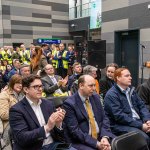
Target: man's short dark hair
26,82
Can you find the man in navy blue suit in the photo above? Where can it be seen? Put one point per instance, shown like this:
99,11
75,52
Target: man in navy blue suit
34,122
79,122
77,70
125,109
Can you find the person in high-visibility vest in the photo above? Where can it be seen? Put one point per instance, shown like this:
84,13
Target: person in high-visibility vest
54,52
62,58
25,54
5,55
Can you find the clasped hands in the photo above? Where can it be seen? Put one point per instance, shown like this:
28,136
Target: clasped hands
146,126
104,144
55,119
63,82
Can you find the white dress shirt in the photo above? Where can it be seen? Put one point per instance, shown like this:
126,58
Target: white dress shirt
38,112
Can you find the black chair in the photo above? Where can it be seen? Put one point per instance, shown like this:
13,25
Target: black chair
129,141
58,101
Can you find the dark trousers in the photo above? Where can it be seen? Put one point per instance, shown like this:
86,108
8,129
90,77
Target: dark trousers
56,146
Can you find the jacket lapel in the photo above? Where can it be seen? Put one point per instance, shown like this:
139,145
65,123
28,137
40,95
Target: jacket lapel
81,106
30,111
44,111
48,79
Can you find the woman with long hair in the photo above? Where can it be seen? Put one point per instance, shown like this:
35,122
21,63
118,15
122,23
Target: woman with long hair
38,60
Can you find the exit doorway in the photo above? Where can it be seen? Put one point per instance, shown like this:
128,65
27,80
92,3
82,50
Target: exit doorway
127,52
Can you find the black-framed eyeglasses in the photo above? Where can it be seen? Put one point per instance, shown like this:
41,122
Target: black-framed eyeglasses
38,87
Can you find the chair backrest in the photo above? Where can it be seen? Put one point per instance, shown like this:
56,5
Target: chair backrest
58,101
130,141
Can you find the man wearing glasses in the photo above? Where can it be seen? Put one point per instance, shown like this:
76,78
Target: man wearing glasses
34,122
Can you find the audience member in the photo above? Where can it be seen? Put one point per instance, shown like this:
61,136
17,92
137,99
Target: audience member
16,67
88,70
25,54
6,74
38,61
25,70
87,127
77,70
16,55
9,97
71,59
108,81
61,58
125,109
54,85
144,92
34,122
91,70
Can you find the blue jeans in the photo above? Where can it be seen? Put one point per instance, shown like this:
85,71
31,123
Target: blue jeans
54,146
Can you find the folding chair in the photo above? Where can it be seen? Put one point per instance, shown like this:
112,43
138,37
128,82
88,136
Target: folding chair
129,141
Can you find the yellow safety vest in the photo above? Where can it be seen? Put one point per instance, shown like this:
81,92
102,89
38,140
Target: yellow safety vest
54,52
64,62
23,56
5,57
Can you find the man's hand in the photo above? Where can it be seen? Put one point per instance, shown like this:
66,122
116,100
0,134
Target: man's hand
61,115
148,122
60,82
146,128
51,121
104,144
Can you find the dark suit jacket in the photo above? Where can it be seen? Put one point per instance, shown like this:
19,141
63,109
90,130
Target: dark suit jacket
77,122
27,132
71,79
50,87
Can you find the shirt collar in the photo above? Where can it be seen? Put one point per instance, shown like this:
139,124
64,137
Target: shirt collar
124,90
82,97
51,76
32,103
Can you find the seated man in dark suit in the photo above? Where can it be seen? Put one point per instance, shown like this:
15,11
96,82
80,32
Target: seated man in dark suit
77,70
86,125
125,109
34,122
54,85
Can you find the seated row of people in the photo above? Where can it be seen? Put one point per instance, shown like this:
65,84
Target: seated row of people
85,123
36,124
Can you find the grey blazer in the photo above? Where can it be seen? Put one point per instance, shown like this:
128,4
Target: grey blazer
50,87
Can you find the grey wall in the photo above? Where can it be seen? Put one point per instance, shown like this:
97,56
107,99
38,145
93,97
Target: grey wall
27,20
119,15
